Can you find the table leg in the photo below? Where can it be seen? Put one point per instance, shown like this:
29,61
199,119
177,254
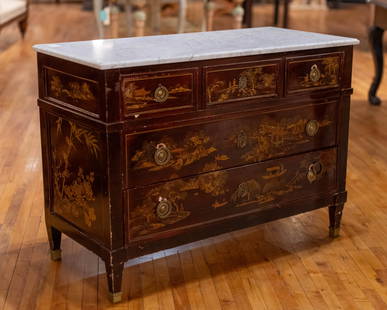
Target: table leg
209,10
376,42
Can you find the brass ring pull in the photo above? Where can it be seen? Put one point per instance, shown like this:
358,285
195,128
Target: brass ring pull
314,73
312,127
241,139
161,94
314,171
162,155
164,209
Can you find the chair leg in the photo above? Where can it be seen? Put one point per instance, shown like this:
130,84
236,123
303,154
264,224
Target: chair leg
376,41
23,26
286,14
97,4
276,12
238,13
209,10
182,16
139,19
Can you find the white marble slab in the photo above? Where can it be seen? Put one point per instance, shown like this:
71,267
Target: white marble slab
152,50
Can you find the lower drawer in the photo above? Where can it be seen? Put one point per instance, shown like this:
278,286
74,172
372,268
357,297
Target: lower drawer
187,202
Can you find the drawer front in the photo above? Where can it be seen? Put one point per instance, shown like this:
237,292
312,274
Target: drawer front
158,91
213,196
307,73
241,82
163,155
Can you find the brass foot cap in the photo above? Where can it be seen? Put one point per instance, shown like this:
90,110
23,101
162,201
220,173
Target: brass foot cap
56,255
334,232
115,297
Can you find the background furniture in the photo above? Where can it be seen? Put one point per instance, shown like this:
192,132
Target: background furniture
146,148
14,11
379,25
136,15
285,14
248,13
237,13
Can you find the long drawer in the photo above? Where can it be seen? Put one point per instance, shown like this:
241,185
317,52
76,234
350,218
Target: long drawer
192,201
168,154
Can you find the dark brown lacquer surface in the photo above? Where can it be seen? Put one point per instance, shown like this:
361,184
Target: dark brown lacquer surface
158,90
75,92
78,175
138,160
241,82
305,73
228,143
214,195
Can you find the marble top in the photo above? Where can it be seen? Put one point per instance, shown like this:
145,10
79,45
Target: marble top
163,49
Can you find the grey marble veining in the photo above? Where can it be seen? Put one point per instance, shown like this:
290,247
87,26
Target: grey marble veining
152,50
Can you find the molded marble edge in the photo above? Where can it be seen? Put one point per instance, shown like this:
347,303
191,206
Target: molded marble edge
164,49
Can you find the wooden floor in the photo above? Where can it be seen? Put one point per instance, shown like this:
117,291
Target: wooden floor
289,265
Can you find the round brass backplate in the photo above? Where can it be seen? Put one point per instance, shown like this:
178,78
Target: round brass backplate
164,209
162,155
161,94
312,127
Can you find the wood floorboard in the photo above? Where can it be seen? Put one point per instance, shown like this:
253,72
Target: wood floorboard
289,264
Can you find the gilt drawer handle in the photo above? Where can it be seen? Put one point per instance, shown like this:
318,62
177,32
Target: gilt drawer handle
161,94
312,127
315,170
314,73
241,139
162,155
164,209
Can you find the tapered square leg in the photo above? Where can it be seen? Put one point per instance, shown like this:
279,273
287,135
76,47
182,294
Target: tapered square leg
335,214
114,276
54,238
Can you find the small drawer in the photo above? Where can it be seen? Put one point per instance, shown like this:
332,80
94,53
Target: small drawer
158,91
210,197
74,92
312,73
243,81
174,153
